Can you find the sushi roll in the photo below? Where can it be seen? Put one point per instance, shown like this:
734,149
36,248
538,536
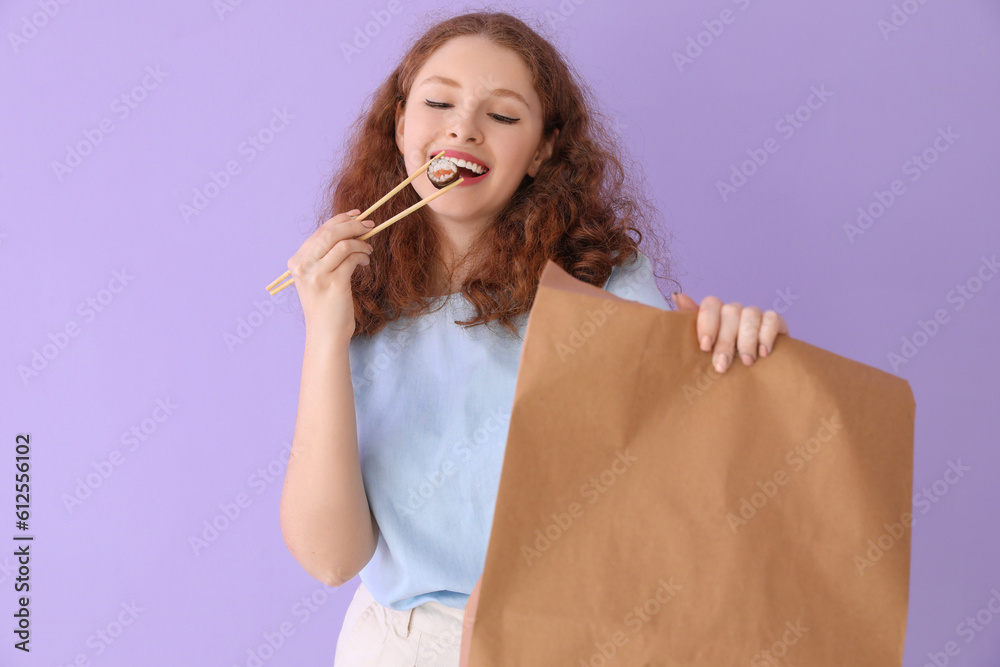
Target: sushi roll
442,171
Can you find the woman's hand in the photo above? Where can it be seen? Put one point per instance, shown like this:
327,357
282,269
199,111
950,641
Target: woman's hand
322,268
728,328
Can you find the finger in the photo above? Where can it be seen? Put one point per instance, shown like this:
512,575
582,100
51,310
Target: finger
746,341
348,225
725,344
333,258
340,218
684,302
344,249
771,325
331,232
708,322
345,269
311,249
340,226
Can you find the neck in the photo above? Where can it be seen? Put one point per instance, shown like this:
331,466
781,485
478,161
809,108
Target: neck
447,279
456,238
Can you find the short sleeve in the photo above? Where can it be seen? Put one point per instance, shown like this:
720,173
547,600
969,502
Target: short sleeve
636,282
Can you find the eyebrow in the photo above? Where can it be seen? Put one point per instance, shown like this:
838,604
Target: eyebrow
496,92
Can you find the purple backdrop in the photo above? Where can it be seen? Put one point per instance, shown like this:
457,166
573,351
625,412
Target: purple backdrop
160,163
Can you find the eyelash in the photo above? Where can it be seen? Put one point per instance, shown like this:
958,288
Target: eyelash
497,117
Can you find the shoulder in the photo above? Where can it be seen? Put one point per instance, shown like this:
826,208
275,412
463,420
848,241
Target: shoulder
635,281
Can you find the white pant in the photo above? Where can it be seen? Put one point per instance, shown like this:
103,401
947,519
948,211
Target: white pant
428,635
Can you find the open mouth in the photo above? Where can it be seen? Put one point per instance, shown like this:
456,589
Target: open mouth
467,169
467,173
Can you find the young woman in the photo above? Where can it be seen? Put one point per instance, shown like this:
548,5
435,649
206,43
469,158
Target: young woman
410,361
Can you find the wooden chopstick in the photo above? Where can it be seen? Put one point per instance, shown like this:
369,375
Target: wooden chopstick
385,224
396,189
410,210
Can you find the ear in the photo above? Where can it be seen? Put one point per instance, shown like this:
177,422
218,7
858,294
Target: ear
543,153
400,109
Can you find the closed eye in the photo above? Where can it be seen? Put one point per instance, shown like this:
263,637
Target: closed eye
497,117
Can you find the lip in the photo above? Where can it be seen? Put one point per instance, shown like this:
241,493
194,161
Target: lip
461,155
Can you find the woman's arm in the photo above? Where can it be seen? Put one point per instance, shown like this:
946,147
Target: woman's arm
325,518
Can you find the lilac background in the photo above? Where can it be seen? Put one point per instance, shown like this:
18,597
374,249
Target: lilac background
164,336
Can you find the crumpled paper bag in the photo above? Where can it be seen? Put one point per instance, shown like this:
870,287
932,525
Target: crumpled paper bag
653,512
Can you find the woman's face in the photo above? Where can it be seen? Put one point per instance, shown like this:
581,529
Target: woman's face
474,97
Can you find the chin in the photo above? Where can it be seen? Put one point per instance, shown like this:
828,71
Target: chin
456,213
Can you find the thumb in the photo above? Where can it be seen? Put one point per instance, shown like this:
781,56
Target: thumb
684,302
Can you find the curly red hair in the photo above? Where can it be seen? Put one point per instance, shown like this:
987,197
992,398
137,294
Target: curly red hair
577,211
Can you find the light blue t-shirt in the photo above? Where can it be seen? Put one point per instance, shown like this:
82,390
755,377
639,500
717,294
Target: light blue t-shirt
433,405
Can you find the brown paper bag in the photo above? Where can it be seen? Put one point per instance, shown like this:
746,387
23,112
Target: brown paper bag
653,512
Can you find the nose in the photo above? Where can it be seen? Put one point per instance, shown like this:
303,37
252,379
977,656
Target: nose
463,124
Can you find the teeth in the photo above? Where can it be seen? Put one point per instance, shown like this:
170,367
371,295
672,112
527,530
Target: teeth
475,168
